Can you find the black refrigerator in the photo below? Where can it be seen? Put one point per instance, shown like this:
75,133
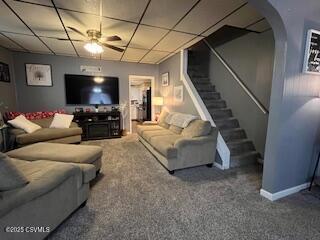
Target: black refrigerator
146,105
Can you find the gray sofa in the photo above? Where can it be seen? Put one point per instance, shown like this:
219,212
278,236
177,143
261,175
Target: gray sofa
178,148
46,134
57,187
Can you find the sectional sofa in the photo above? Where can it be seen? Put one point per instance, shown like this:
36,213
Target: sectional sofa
178,145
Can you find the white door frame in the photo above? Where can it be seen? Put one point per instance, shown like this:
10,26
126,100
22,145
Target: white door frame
152,78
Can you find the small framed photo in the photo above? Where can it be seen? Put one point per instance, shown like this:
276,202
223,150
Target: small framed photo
39,75
178,94
4,72
311,62
165,79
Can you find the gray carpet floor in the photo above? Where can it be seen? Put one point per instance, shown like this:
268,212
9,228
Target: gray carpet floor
135,198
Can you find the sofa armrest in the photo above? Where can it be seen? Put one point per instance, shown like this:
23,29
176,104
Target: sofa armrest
150,123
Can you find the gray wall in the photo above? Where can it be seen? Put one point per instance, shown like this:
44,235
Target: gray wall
7,90
294,119
49,98
172,65
251,57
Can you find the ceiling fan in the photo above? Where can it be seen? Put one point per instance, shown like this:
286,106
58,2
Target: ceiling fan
94,43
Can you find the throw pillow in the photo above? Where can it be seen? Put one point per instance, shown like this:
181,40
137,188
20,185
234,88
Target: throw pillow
61,121
197,128
162,119
10,176
23,123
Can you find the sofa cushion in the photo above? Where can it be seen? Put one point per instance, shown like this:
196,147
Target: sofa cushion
143,128
58,152
182,120
43,177
147,135
44,122
46,134
175,129
165,145
162,119
10,176
23,123
197,128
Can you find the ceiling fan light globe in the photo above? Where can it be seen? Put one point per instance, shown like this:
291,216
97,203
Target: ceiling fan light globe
93,48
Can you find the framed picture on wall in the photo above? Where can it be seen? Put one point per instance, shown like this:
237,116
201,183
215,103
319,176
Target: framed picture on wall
165,79
178,94
4,72
38,75
311,62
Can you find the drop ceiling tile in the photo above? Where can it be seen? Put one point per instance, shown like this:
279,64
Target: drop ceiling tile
173,40
207,13
260,26
60,47
166,13
42,2
44,23
241,18
5,42
92,6
130,10
110,54
169,56
31,43
146,37
10,22
154,56
133,54
189,44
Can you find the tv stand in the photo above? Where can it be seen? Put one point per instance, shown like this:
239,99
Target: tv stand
99,125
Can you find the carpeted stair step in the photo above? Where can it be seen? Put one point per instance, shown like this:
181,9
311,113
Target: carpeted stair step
197,74
220,113
204,87
227,123
210,95
215,103
238,147
244,159
233,134
200,80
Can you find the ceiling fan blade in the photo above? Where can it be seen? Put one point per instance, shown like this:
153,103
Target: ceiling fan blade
112,47
67,39
77,31
113,38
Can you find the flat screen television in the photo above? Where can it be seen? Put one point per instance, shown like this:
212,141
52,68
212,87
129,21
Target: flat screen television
91,90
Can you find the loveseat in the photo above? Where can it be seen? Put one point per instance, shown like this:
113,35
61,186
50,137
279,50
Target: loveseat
46,134
179,144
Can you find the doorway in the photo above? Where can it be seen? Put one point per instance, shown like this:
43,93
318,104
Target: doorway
141,89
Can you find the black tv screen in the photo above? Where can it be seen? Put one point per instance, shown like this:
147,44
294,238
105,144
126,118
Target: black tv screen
91,90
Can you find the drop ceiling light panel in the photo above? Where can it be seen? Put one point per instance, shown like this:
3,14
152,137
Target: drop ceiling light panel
166,13
241,18
133,55
260,26
60,47
173,41
9,22
5,42
207,13
146,37
31,43
154,57
42,20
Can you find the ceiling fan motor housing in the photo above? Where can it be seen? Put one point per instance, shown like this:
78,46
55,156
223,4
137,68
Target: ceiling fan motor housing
94,34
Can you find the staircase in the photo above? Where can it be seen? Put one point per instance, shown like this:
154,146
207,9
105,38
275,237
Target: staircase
242,150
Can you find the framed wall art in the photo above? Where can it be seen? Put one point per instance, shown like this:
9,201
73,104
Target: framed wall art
38,75
311,62
178,94
4,72
165,79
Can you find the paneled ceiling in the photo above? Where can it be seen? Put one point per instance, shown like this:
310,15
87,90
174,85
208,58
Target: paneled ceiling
151,30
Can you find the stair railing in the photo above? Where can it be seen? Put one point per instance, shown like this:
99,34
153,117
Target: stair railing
238,80
222,147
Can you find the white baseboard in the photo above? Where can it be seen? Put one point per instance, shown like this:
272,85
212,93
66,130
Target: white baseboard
218,165
283,193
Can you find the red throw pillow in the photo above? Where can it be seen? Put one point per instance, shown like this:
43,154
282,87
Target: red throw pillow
33,115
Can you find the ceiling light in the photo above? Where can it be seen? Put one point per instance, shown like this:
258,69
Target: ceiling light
93,47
